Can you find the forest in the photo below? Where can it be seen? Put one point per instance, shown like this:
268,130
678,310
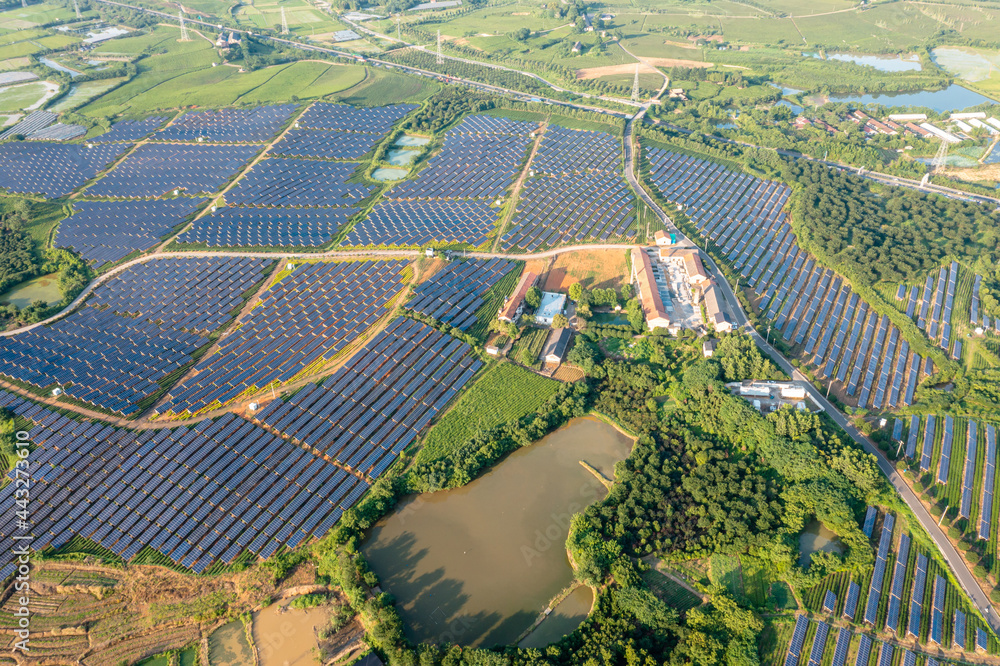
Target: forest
895,235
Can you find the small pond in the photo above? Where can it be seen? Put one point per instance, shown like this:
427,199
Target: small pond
883,63
385,173
402,157
59,68
409,140
286,636
477,564
952,98
44,288
815,538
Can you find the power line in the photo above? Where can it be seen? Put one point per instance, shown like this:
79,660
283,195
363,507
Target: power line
440,58
76,8
284,22
184,28
635,84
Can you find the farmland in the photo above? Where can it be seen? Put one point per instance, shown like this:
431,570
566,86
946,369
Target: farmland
480,409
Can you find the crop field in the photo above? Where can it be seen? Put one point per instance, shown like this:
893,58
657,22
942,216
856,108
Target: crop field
505,392
670,592
28,17
725,570
527,347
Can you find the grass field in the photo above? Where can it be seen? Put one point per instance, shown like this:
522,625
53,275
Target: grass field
181,74
725,570
503,393
20,18
21,97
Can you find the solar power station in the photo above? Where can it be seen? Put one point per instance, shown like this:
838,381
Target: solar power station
228,125
809,305
108,231
197,495
455,293
136,329
373,407
53,170
131,130
155,169
309,315
292,182
576,191
450,199
299,195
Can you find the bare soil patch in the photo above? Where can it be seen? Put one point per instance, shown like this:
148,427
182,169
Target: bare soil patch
591,268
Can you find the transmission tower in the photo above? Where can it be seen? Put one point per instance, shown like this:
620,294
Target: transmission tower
76,8
440,58
941,156
284,22
24,4
635,84
184,28
397,26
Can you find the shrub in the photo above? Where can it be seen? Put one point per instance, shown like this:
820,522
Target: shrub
995,595
979,571
954,532
964,546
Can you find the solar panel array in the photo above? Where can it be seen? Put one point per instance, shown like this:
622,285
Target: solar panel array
343,117
898,579
870,515
818,644
944,462
843,647
864,650
450,199
969,471
309,315
925,456
911,436
982,639
51,169
373,407
324,144
198,496
228,125
878,575
577,192
885,655
137,328
974,303
290,182
989,483
917,598
455,293
742,215
937,610
798,640
155,169
106,231
909,658
829,601
851,605
958,630
263,227
396,223
131,130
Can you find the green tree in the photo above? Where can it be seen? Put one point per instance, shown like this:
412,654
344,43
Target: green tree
534,297
559,321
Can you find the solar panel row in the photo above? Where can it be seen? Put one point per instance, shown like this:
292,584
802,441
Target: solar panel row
969,470
917,597
311,314
291,182
937,610
343,117
898,579
989,483
267,227
373,407
878,575
798,639
131,130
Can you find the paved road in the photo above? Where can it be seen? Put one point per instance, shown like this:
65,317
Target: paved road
739,319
